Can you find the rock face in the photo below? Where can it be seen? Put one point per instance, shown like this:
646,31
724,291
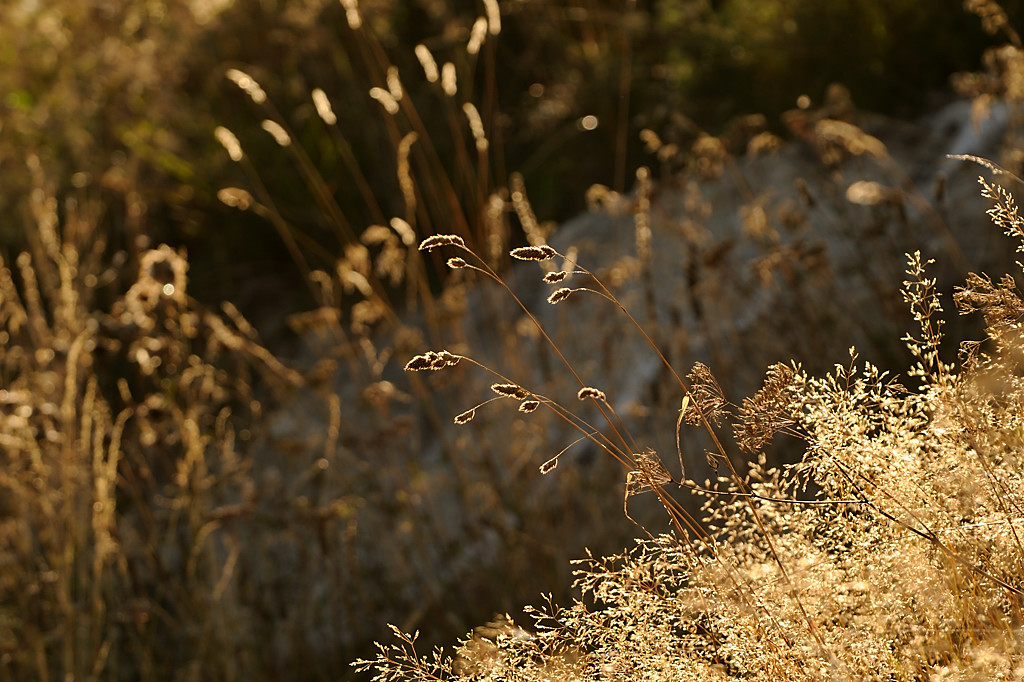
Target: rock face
791,251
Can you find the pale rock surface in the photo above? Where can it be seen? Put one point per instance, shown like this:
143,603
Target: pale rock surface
754,259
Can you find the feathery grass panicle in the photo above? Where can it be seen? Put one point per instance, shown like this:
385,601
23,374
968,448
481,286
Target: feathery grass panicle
528,406
493,17
705,397
993,18
449,79
323,107
649,473
991,165
555,277
406,182
769,411
438,240
543,252
396,662
432,360
276,131
920,294
548,466
230,143
1005,212
248,84
465,417
235,197
476,36
394,83
1000,303
426,59
535,233
476,127
385,98
352,14
559,295
404,231
511,391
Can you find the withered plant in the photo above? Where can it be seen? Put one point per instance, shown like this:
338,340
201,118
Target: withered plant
891,550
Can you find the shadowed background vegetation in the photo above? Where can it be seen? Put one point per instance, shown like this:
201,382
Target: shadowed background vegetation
214,467
122,97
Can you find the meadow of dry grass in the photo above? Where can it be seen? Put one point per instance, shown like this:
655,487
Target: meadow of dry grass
229,451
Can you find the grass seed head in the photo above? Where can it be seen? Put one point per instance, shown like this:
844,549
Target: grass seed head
437,240
395,84
386,99
493,17
449,82
476,35
277,131
404,230
352,15
248,84
323,107
432,360
769,411
428,63
528,406
235,198
591,392
228,140
648,474
511,390
706,397
476,126
543,252
560,295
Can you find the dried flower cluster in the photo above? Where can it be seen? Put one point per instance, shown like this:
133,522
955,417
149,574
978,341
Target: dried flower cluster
769,411
706,400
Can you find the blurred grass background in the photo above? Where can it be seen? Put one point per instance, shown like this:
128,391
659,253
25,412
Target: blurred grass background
149,530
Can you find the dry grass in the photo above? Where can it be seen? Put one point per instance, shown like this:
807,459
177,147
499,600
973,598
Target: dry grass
891,550
126,410
179,502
